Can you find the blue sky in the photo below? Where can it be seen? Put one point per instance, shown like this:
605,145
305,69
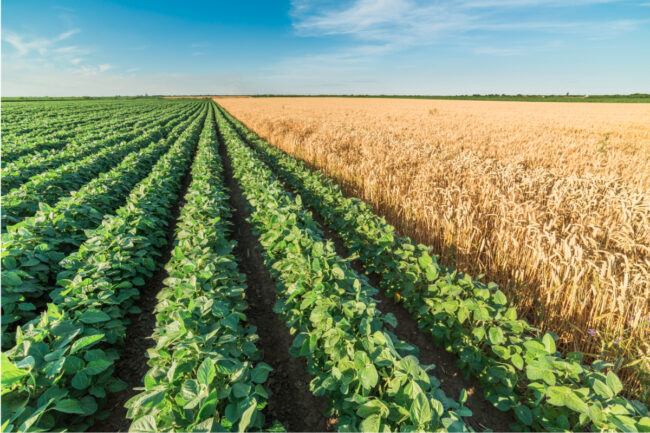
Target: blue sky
359,46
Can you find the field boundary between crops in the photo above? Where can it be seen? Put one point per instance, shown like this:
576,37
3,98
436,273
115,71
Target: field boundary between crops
452,380
132,365
291,400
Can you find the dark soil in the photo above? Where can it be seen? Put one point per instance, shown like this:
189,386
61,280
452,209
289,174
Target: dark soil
132,365
291,402
452,379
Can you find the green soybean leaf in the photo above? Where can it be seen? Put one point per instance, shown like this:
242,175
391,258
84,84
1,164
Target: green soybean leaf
549,344
10,373
524,414
69,405
241,390
369,408
94,316
261,372
89,405
420,410
602,389
614,383
146,423
11,278
80,380
247,415
370,424
338,272
644,424
574,402
555,395
206,372
85,341
517,361
96,367
496,335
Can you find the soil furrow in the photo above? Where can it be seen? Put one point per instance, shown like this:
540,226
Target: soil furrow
132,365
452,379
291,402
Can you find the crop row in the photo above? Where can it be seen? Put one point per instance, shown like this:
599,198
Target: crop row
372,380
204,372
519,369
19,171
73,131
64,363
64,120
24,116
48,187
33,248
100,136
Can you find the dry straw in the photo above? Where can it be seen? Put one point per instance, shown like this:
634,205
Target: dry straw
549,200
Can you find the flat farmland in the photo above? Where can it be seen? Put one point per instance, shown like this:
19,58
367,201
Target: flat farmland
549,200
166,269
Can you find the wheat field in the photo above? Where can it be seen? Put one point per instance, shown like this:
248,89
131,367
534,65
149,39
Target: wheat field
549,200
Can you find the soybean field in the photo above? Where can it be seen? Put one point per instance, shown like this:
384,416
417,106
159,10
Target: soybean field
164,268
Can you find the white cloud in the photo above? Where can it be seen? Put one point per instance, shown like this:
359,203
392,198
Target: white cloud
25,45
50,54
372,37
398,24
528,3
392,22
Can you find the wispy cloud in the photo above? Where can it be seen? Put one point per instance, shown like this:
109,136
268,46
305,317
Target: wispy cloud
469,4
396,24
51,53
25,45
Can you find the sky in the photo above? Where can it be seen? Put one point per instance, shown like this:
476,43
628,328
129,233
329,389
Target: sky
436,47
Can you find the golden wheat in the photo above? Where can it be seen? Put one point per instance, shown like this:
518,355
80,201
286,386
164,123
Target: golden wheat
550,200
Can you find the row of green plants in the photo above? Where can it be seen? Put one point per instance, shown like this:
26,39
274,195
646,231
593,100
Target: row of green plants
49,119
25,118
205,372
373,381
49,187
63,365
17,171
520,369
98,137
29,123
33,248
38,139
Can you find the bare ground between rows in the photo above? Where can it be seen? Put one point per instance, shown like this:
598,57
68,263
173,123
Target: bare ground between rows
452,380
132,365
291,402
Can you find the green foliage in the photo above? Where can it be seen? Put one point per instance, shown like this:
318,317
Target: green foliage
68,372
204,372
41,130
33,248
48,187
372,380
120,126
519,369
